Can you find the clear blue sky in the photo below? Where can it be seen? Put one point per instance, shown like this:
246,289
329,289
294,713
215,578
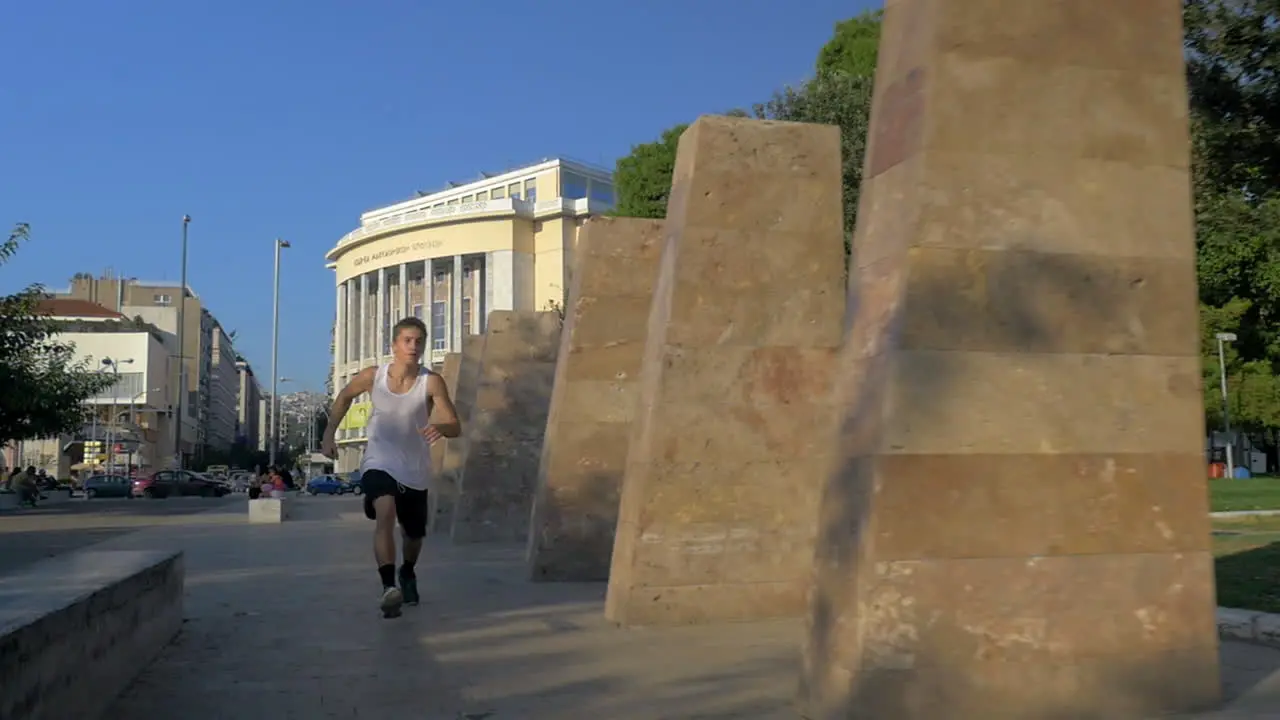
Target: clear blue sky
290,118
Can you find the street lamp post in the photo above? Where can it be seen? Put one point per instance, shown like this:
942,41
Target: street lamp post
1226,412
275,351
111,424
133,423
182,349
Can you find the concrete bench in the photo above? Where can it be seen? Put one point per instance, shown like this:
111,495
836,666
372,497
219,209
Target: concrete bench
77,629
269,510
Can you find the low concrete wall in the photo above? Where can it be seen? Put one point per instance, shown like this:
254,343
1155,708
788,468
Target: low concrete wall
75,630
269,510
9,501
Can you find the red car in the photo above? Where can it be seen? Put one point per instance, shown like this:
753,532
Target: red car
168,483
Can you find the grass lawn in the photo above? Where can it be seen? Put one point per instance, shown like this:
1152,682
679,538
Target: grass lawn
1251,494
1248,562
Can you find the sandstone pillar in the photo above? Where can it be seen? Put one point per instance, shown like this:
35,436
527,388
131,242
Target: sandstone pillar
505,430
1017,523
593,401
729,443
452,452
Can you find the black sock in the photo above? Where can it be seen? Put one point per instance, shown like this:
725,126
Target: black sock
406,570
388,575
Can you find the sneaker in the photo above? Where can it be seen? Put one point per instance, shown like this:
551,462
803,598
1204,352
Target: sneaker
409,587
368,508
391,601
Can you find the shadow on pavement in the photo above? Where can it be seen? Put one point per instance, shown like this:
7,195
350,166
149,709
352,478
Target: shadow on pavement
282,622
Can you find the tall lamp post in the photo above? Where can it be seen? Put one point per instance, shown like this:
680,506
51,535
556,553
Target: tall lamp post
114,364
182,349
1226,412
275,351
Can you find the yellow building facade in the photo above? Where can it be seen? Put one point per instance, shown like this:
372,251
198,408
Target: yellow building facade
504,242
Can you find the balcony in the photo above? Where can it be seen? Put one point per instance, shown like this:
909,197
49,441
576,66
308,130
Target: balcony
483,208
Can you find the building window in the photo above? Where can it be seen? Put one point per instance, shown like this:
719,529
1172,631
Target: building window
163,299
452,202
602,192
468,198
466,316
499,193
531,190
572,187
482,196
514,190
439,325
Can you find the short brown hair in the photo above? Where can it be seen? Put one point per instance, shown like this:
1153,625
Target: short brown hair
409,322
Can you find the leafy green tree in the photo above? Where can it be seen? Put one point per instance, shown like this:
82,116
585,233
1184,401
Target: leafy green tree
43,388
642,179
854,47
1233,74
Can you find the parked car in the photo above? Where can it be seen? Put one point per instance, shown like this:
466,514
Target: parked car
327,485
105,486
168,483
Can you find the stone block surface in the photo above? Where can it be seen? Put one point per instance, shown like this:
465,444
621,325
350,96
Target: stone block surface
505,430
76,630
729,443
453,452
1016,523
594,399
269,510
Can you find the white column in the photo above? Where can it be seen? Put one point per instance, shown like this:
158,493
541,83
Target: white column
363,340
488,289
480,300
404,292
380,340
455,306
428,287
502,263
340,330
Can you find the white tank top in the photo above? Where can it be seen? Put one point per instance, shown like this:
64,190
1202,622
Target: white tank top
395,445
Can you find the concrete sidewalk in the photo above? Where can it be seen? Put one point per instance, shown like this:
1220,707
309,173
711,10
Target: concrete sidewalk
282,623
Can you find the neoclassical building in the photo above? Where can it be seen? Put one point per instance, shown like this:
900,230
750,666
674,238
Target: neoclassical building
504,242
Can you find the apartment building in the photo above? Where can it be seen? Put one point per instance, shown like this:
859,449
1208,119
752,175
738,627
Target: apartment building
207,420
222,409
248,401
131,419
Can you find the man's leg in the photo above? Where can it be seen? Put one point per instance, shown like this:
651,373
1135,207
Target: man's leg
380,494
411,509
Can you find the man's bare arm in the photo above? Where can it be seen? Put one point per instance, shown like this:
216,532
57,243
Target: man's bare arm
359,385
443,411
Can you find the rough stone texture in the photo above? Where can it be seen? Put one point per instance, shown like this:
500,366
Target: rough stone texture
77,629
1017,523
508,420
728,448
269,510
597,378
453,452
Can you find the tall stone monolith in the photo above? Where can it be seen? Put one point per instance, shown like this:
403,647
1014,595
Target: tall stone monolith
729,444
459,371
506,427
575,506
1017,525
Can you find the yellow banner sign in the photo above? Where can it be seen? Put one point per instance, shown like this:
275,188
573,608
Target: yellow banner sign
357,416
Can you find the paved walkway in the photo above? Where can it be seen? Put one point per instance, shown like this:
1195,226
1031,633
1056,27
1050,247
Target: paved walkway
282,623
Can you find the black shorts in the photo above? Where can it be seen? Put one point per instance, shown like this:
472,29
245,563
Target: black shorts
411,503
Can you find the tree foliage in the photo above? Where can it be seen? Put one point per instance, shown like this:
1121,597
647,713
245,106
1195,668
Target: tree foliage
642,179
1233,78
44,389
839,94
854,47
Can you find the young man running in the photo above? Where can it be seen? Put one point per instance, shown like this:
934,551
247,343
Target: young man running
396,471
